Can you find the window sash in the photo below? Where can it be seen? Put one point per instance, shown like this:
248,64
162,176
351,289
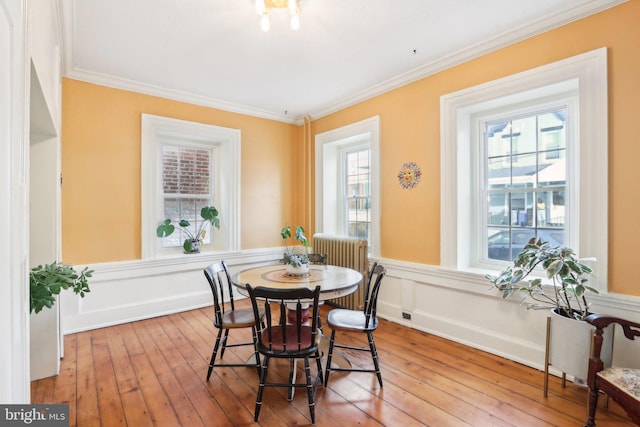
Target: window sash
519,180
357,192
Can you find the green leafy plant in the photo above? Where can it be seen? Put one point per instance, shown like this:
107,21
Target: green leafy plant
48,280
208,213
296,259
565,293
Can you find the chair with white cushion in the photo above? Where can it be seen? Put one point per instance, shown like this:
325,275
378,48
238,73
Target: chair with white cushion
620,384
360,321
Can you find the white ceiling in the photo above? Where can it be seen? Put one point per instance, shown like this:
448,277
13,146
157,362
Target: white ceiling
212,52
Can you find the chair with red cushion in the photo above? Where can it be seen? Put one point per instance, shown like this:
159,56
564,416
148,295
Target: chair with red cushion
281,339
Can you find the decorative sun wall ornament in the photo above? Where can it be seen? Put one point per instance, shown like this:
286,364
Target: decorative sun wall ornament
409,175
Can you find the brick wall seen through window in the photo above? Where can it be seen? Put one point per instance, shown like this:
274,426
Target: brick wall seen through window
186,186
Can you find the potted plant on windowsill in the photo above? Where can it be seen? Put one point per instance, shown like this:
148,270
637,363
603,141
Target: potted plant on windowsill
297,263
564,293
193,240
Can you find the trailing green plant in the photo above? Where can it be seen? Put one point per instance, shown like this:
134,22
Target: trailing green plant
208,213
565,293
296,259
48,280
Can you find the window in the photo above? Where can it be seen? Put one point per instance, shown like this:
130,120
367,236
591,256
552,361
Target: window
347,189
186,166
187,186
524,173
357,180
527,155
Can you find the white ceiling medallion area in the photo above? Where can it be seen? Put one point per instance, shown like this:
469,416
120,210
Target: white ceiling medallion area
214,53
265,7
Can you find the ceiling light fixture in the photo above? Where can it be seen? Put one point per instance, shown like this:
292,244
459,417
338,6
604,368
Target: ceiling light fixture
264,7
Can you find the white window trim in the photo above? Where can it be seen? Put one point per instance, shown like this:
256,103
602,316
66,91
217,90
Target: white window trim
590,70
353,131
227,141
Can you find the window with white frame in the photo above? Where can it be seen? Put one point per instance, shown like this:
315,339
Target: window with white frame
527,155
357,197
523,178
347,182
186,166
188,183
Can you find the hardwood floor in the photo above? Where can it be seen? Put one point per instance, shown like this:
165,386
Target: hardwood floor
152,372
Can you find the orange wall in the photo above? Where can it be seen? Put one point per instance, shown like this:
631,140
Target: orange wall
101,171
101,128
410,131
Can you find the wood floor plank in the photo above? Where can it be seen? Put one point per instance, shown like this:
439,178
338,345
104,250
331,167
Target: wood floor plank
44,390
87,407
133,402
109,397
223,378
152,372
65,390
512,390
207,407
149,334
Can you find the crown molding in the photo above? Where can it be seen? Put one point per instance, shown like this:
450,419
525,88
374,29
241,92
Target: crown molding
176,95
532,29
474,51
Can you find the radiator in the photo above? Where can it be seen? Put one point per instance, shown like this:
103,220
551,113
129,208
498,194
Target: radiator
345,252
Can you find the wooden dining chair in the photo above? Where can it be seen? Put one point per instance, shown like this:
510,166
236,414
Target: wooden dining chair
361,321
227,317
281,339
620,384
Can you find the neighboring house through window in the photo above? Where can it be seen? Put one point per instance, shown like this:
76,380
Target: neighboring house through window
526,156
524,177
347,182
186,166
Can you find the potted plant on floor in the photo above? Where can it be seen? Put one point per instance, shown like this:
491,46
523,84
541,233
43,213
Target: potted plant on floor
194,238
296,262
46,281
564,293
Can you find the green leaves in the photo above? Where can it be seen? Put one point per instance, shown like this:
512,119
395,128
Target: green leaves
209,214
50,279
165,229
566,289
285,233
188,245
300,236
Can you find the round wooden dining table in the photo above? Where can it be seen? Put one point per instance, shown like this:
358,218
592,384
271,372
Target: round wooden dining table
334,281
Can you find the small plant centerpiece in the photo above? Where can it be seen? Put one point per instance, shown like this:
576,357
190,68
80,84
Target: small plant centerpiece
568,341
566,292
194,238
297,263
48,280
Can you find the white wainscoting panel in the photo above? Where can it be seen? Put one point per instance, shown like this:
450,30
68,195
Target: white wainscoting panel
461,307
128,291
